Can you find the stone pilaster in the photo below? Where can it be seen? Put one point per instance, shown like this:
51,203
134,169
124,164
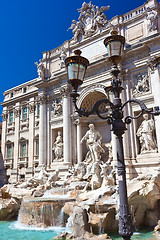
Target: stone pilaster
42,130
66,124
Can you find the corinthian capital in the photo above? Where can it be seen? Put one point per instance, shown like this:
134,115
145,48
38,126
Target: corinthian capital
42,99
64,91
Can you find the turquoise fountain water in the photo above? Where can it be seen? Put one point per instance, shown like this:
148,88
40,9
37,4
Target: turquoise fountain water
17,231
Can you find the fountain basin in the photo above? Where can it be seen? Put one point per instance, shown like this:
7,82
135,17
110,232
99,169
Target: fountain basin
43,212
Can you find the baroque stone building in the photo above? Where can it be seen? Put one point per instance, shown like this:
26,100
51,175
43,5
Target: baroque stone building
40,126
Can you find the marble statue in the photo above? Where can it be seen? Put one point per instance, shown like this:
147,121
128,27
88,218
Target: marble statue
142,84
77,30
40,69
152,19
93,143
57,108
91,20
109,175
145,133
43,178
58,147
62,57
94,179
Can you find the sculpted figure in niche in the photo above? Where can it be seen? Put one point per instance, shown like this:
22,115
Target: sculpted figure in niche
93,143
152,19
58,147
145,133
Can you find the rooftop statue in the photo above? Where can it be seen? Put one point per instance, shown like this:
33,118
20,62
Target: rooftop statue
152,19
91,20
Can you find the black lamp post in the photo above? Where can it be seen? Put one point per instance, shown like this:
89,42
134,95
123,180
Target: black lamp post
76,68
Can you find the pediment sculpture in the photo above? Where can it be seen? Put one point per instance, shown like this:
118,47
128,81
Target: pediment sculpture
91,20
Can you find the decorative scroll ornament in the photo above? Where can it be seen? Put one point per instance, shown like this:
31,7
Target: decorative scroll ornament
142,85
91,20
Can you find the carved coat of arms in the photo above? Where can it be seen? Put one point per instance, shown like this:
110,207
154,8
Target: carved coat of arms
91,20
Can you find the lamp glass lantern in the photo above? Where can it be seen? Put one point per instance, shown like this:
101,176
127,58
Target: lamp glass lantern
76,68
114,44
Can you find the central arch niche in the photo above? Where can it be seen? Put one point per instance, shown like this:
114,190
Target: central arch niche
87,100
90,100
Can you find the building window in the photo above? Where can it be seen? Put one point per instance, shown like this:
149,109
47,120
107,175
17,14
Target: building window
24,116
24,89
11,94
23,149
9,151
11,117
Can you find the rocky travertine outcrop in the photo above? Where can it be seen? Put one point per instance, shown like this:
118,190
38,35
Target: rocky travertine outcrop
144,198
95,211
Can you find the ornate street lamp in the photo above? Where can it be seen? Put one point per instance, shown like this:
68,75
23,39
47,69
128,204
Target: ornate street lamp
76,69
115,117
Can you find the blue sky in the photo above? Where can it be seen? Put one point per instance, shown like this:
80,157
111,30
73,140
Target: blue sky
29,27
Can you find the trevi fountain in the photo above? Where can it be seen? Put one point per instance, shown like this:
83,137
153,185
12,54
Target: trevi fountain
83,202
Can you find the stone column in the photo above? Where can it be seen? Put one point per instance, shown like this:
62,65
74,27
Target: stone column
114,148
16,141
31,133
4,131
129,136
3,178
42,130
66,125
79,145
154,67
48,134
